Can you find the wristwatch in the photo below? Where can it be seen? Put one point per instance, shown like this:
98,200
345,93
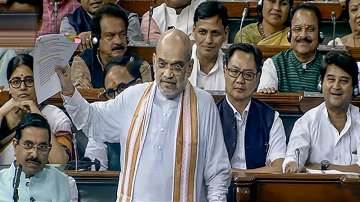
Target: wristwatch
324,164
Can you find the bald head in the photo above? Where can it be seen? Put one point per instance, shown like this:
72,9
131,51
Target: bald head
174,37
172,62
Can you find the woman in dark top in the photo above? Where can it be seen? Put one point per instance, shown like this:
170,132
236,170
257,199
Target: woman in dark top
22,101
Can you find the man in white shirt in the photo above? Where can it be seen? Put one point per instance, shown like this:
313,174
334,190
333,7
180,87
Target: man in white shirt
170,133
177,14
210,32
327,136
253,132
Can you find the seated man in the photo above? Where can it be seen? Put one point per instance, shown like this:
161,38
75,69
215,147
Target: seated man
298,68
37,181
79,23
110,27
172,13
121,72
327,136
253,132
53,12
210,32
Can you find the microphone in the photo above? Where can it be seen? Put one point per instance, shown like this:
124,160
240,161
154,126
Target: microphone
148,31
333,19
54,14
16,182
297,153
244,13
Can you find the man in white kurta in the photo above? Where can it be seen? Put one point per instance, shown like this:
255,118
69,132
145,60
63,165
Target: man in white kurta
327,137
210,32
154,175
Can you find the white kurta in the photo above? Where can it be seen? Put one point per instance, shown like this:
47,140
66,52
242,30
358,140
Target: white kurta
277,139
109,121
214,80
317,138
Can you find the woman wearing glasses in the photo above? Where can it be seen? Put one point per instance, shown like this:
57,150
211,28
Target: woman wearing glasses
22,101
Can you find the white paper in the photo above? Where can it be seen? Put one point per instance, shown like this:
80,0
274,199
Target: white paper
313,171
50,50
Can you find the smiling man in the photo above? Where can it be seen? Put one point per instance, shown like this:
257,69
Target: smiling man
32,146
327,136
298,68
210,32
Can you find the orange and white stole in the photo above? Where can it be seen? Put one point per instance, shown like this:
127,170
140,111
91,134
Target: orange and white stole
184,178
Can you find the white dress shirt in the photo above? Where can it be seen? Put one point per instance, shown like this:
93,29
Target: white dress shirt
214,80
109,121
277,138
317,138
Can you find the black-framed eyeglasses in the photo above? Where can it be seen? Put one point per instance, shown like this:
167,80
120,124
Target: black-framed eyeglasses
235,73
110,93
16,82
30,146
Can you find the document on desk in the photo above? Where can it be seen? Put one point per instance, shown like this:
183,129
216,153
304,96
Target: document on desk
313,171
50,50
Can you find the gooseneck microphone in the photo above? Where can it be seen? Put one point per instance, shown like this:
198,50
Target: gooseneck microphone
16,182
333,20
244,13
148,31
297,153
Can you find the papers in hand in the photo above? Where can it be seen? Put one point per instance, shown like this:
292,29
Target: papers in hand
50,50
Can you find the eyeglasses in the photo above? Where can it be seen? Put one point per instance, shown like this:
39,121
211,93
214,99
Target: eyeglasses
110,93
235,73
31,146
307,28
16,82
177,67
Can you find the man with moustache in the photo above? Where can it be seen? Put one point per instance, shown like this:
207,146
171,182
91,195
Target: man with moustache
109,27
170,132
171,13
327,136
37,181
210,32
298,68
79,23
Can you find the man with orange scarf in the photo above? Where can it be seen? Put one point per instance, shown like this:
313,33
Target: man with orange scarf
170,131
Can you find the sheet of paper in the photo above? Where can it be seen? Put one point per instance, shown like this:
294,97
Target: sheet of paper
313,171
50,50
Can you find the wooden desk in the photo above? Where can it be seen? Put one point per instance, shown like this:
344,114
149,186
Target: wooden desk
296,188
250,187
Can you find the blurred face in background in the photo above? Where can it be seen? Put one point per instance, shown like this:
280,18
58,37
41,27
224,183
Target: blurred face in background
21,84
354,16
91,6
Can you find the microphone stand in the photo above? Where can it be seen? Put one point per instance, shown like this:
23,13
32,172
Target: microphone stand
297,153
148,33
242,21
333,19
54,15
16,182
